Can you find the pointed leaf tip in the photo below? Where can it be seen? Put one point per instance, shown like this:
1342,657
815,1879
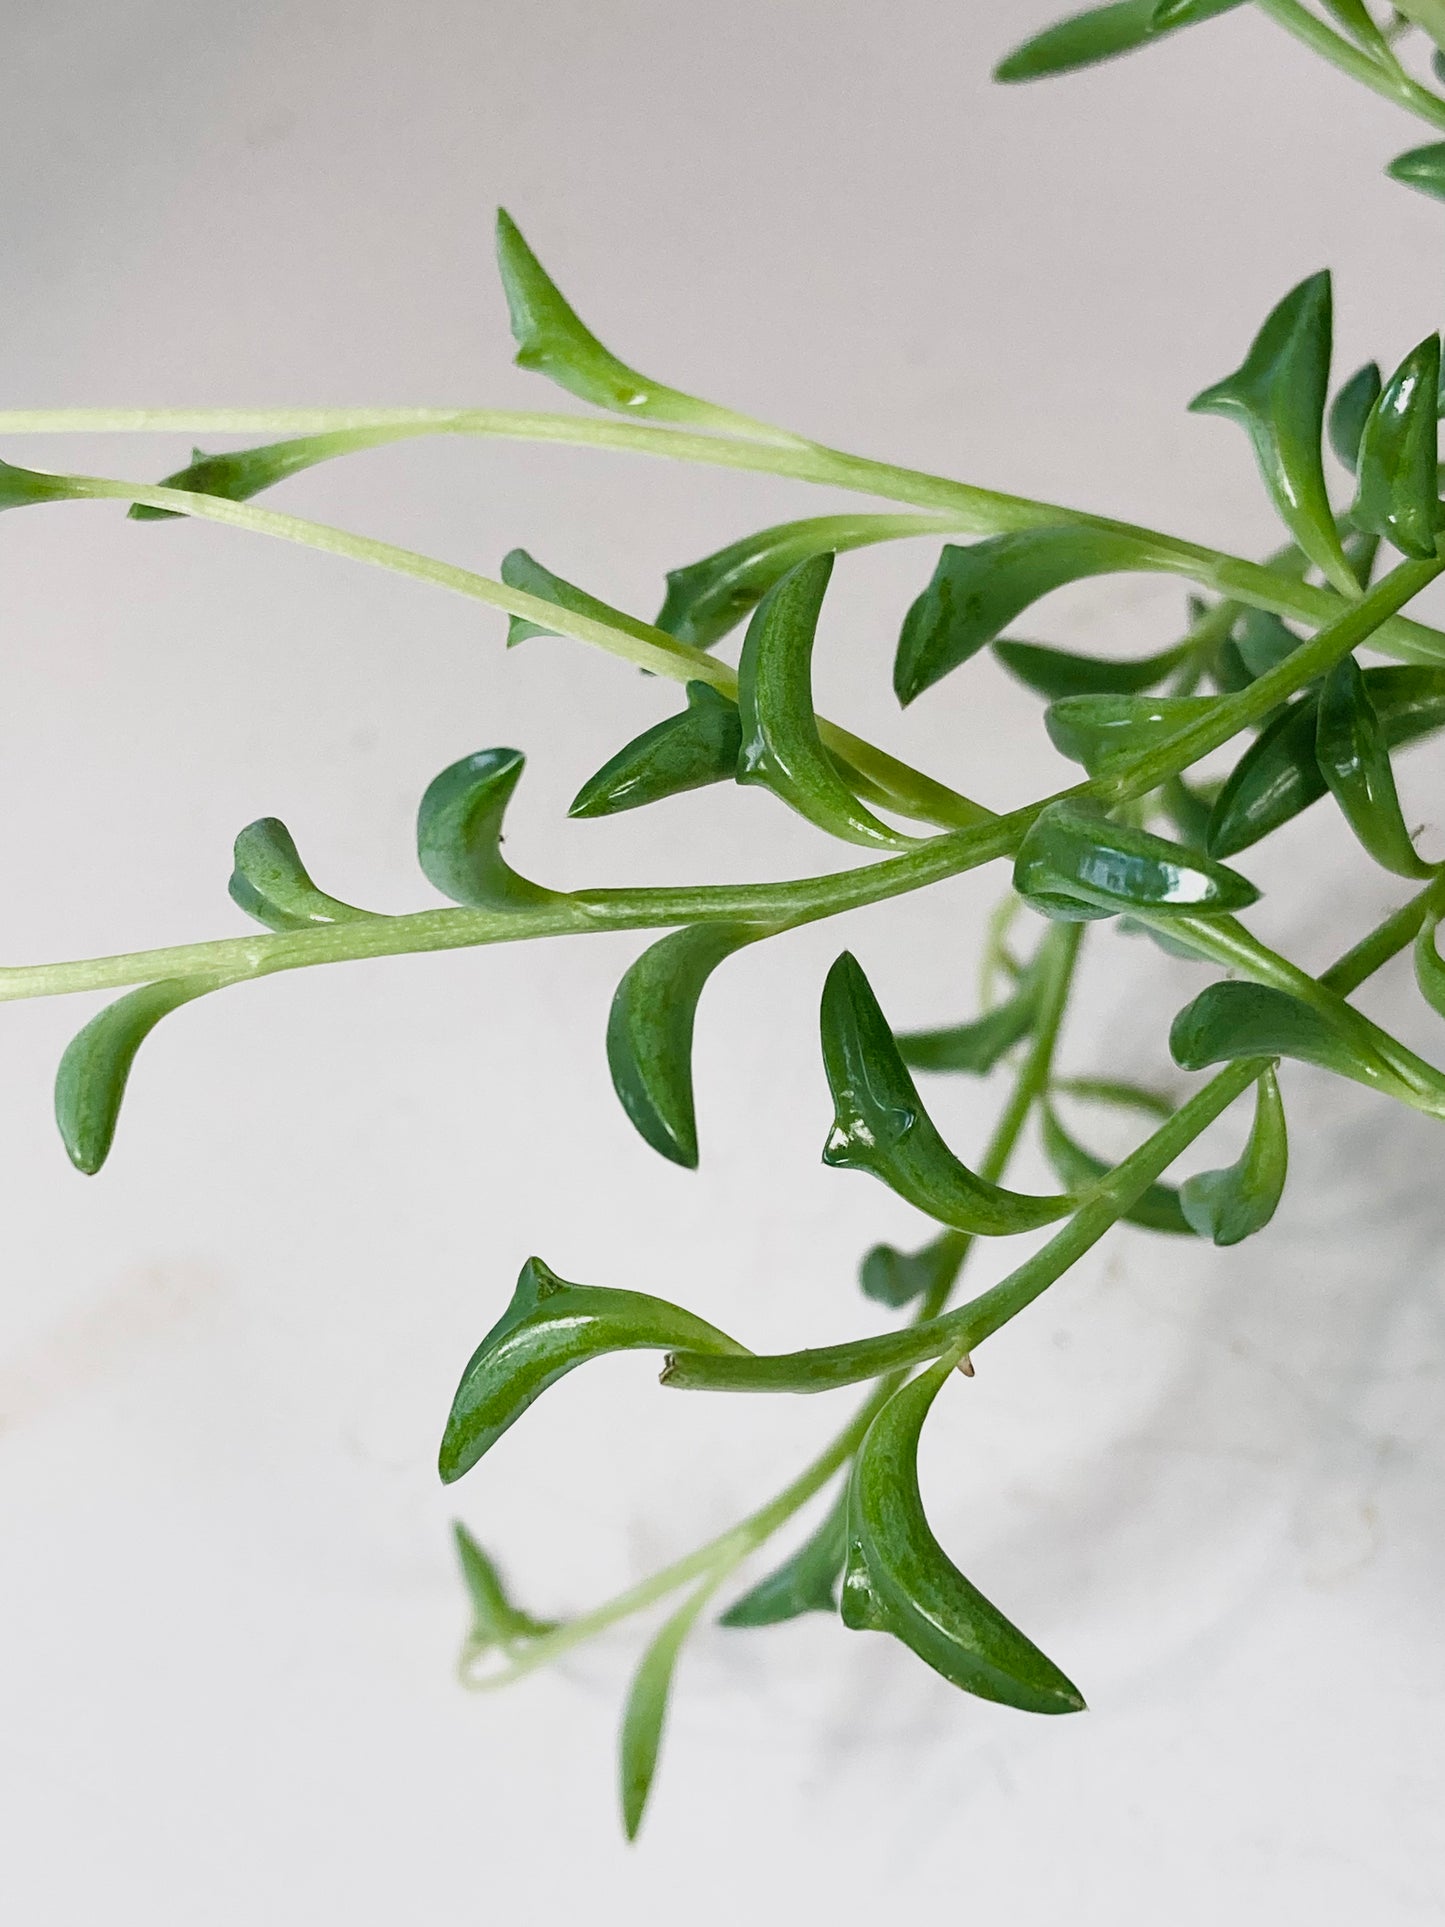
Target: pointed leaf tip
1230,1205
1398,492
95,1068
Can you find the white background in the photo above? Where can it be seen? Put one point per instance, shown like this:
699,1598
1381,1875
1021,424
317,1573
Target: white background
1209,1484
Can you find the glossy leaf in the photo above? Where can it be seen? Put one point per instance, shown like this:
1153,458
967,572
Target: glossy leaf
96,1065
896,1278
1094,729
1156,1209
495,1620
1075,865
459,833
1398,494
1234,1203
1430,967
1278,397
649,1032
272,884
708,598
880,1125
806,1582
549,1328
240,474
523,571
1422,167
781,746
1354,760
978,589
977,1046
646,1711
683,752
1084,39
1060,672
1350,410
899,1580
1232,1020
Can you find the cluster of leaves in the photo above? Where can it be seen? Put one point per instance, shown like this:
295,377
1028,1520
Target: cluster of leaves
1266,669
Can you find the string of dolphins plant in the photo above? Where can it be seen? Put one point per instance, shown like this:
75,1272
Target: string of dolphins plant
1266,667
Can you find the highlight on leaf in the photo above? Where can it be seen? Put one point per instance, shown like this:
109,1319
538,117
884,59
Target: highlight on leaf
1231,1205
899,1580
806,1581
880,1125
1422,168
1354,759
459,833
1102,33
689,751
95,1068
548,1329
1077,865
271,883
1398,492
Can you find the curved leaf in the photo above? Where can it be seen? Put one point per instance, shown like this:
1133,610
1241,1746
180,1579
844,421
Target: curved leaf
1188,809
1234,1203
459,833
806,1582
243,472
684,752
649,1032
90,1082
1398,494
708,598
895,1278
495,1620
1118,1094
272,884
1100,34
1350,410
1093,729
1060,672
1354,760
977,1046
977,590
1156,1209
1429,966
1278,397
24,487
1075,865
899,1580
1233,1020
1358,22
781,746
646,1711
548,1329
1263,641
523,571
1422,167
880,1125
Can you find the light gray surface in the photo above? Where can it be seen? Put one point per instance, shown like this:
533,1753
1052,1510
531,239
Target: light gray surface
1209,1484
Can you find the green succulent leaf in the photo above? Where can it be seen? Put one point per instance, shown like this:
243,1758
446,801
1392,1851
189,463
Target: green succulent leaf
548,1329
1263,641
1354,759
781,746
708,598
688,751
649,1032
495,1620
1350,410
244,472
1429,966
646,1711
95,1068
1156,1209
1398,494
1084,39
880,1125
1359,23
1234,1203
1423,168
977,590
899,1580
1118,1094
1092,730
24,487
1060,672
459,833
524,572
896,1278
1278,397
1188,808
1233,1020
806,1582
271,883
1076,865
975,1047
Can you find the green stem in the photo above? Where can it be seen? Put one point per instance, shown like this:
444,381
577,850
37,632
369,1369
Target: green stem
1354,61
1387,940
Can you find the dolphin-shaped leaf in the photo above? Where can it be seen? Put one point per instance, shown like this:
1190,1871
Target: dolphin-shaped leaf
1354,759
1061,672
688,751
1234,1203
1232,1020
896,1278
495,1620
91,1080
459,833
1076,865
806,1582
1156,1209
1093,729
524,572
271,883
1398,491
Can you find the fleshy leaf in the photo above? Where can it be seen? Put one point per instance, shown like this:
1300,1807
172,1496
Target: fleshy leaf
91,1080
1233,1020
1422,167
1398,494
24,487
1188,808
1156,1209
978,589
523,571
1060,672
1118,1094
243,472
688,751
1075,865
895,1278
781,746
1354,760
880,1125
1263,641
459,833
1350,410
1358,22
1093,729
708,598
646,1711
977,1046
1430,967
548,1329
806,1582
1084,39
899,1580
1278,397
495,1620
649,1032
1234,1203
271,883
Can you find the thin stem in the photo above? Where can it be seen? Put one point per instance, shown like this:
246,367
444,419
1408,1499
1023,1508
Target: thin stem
1354,61
1398,931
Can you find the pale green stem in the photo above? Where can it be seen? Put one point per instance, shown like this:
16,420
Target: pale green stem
1396,86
